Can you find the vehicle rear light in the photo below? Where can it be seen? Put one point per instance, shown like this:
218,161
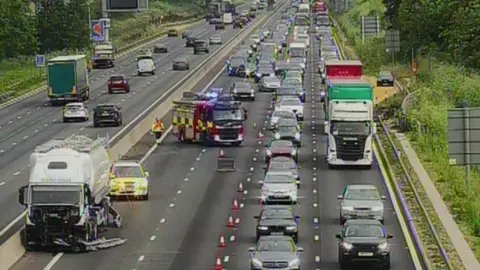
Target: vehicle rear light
241,130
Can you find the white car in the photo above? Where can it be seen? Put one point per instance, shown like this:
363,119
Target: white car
278,114
145,64
279,187
256,39
75,111
303,38
293,104
215,40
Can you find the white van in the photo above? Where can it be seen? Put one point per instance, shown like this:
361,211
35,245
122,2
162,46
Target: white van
304,8
145,64
227,18
298,50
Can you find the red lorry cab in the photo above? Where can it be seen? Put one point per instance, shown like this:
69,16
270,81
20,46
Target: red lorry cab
343,69
320,7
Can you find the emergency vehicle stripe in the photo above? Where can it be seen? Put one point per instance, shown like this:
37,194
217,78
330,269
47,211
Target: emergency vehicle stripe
209,124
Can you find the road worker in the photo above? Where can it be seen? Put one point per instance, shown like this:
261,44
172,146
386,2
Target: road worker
157,129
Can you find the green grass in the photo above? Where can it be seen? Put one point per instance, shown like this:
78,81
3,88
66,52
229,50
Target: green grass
440,86
20,75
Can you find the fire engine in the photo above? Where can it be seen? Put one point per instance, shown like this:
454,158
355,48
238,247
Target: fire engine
208,119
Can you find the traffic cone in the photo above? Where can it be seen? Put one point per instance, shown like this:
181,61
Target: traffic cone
218,264
222,241
222,154
240,187
235,205
230,223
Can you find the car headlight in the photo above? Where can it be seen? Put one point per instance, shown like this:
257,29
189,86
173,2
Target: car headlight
377,208
347,208
235,91
277,136
269,153
262,228
322,94
294,152
291,228
294,262
383,246
297,136
347,245
252,91
264,190
256,262
258,74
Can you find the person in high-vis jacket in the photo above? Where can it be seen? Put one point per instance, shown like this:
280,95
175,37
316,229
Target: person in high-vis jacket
157,129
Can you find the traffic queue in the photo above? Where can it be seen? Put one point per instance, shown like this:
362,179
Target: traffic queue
280,57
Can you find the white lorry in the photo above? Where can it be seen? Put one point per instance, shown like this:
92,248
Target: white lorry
227,18
66,196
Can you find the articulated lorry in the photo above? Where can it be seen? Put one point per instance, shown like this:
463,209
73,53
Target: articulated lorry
68,79
66,196
349,115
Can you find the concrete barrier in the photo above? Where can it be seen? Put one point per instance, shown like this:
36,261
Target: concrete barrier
12,250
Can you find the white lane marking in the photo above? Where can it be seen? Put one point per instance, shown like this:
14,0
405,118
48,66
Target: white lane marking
186,179
163,220
14,143
25,137
16,173
46,125
2,183
141,258
179,192
226,259
232,238
316,238
152,238
9,122
35,131
1,151
315,205
314,191
317,259
53,261
192,169
248,179
315,220
171,205
314,179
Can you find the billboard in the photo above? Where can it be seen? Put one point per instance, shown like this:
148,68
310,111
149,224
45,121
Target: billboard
98,30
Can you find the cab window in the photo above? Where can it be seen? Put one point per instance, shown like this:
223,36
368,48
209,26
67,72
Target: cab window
128,171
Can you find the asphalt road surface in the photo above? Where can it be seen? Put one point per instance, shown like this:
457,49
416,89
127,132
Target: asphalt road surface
180,226
32,122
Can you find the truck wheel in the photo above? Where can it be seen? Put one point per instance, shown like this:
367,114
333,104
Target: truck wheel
65,120
139,73
86,95
95,124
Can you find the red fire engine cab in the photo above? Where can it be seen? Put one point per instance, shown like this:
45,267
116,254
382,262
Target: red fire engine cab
320,7
210,122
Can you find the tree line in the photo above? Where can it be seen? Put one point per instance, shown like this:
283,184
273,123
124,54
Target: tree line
452,27
42,27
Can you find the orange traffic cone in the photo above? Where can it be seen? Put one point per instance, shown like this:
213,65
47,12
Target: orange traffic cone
221,154
222,241
218,264
230,223
235,205
240,187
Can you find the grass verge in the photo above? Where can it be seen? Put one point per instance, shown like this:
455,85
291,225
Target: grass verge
429,244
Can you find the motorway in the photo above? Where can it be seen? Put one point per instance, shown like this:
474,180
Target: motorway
32,122
180,226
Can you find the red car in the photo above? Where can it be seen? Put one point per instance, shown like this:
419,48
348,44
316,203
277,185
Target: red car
118,83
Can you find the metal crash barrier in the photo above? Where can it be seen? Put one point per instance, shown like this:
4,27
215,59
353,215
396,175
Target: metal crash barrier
225,164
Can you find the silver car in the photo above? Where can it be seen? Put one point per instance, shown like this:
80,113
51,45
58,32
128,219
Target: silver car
280,113
275,252
361,201
269,84
279,187
215,40
75,111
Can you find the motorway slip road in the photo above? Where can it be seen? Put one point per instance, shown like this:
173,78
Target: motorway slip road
180,226
32,122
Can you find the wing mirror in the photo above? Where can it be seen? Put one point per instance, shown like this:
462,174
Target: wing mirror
264,168
383,197
256,217
299,249
326,127
147,174
389,236
338,236
260,182
297,216
251,249
340,197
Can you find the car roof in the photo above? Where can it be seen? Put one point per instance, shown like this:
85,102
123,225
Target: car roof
107,105
117,75
181,58
282,141
126,163
281,159
75,104
362,186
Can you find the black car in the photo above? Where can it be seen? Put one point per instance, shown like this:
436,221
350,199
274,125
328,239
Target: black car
288,132
269,84
363,240
200,46
107,114
237,23
237,67
385,78
280,148
220,26
215,21
277,220
186,34
242,90
190,41
263,71
160,48
172,33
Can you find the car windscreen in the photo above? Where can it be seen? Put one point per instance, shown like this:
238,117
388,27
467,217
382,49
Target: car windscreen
127,172
237,62
287,129
283,114
73,107
362,194
282,165
281,143
116,78
291,102
55,195
364,231
297,52
278,178
340,128
275,245
277,214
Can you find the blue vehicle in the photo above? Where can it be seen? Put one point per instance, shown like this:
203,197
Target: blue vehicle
237,66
